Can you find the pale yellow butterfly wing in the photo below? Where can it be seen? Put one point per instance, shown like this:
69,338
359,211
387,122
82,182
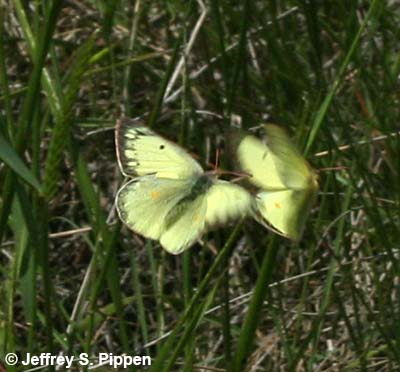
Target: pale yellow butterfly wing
144,203
140,151
288,184
164,209
187,226
259,162
292,167
170,199
225,202
275,163
286,210
220,203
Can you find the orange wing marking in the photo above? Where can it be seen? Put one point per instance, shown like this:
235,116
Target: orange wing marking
155,195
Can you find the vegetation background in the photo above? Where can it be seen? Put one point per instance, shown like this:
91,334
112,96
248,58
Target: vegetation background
73,280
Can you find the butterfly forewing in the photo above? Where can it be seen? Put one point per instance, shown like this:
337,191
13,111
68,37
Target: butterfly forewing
258,161
140,152
290,164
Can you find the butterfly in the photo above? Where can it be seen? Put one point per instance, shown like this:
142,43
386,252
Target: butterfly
288,185
168,196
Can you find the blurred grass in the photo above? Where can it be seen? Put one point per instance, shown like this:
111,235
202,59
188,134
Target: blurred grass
73,281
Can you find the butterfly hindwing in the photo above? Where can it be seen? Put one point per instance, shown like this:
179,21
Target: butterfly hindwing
285,210
160,209
219,203
186,227
144,203
225,202
141,151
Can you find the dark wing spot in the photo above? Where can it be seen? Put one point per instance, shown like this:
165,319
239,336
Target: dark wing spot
141,132
162,147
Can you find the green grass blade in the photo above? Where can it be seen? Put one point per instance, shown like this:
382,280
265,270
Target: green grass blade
140,306
12,159
64,120
247,333
155,112
29,105
4,81
33,48
166,349
322,111
238,67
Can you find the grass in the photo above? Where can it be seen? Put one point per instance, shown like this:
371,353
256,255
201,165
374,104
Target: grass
74,280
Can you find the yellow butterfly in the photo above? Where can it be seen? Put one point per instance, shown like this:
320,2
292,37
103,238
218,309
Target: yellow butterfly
288,185
169,197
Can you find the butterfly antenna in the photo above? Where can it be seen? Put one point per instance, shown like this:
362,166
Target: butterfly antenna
328,169
216,160
238,175
117,132
214,166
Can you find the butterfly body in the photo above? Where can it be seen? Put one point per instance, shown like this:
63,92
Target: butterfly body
169,197
200,186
